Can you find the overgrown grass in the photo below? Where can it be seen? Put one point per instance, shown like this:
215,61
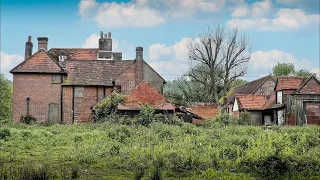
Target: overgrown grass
114,151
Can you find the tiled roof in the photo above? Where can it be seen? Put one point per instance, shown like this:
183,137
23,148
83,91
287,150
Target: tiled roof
250,101
145,93
95,72
75,53
290,82
247,88
40,62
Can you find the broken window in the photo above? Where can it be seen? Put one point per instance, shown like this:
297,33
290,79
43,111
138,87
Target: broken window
78,91
56,78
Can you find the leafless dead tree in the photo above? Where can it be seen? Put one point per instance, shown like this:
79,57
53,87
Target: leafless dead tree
217,58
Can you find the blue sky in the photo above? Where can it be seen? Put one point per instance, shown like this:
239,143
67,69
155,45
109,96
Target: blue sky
279,30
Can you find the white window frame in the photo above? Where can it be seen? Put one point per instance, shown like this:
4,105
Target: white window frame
62,58
279,97
235,105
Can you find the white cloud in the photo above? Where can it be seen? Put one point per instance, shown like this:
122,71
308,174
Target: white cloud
241,11
114,15
286,19
127,15
8,62
147,13
86,7
266,60
316,71
170,61
257,9
261,8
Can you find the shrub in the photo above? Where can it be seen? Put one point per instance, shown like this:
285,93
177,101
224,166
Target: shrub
4,133
75,172
221,120
245,118
108,106
168,119
29,119
146,115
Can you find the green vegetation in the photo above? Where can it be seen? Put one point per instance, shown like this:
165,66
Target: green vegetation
111,150
286,69
5,98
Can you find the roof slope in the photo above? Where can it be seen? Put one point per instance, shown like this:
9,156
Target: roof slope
247,88
76,53
306,81
145,93
94,72
40,62
289,82
251,101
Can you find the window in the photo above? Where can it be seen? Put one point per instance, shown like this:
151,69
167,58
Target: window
78,91
56,79
62,58
279,97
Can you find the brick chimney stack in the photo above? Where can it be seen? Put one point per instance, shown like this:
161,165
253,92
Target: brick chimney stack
28,50
109,42
139,65
43,43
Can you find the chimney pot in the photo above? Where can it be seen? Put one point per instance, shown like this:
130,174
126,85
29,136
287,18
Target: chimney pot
109,35
139,53
101,34
42,43
28,49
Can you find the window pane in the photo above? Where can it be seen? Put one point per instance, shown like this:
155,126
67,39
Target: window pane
56,78
78,91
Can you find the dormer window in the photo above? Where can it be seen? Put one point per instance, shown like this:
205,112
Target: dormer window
279,97
62,58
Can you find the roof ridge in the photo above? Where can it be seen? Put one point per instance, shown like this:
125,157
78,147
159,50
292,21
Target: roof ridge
29,58
74,48
251,81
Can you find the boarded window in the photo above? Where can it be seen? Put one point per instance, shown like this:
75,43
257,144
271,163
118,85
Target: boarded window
78,91
56,78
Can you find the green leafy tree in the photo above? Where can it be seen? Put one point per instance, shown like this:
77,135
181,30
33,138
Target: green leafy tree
304,72
5,97
283,69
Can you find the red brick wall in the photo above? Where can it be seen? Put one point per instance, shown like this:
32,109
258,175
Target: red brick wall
67,104
313,113
205,111
41,92
127,80
82,105
236,114
311,86
291,120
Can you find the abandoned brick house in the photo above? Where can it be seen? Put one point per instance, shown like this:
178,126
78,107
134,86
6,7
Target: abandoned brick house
62,84
292,101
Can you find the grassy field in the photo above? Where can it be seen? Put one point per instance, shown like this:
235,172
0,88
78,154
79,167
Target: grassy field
161,151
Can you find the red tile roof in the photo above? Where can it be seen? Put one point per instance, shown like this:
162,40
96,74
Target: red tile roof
250,101
145,93
40,62
76,53
94,72
248,88
289,82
